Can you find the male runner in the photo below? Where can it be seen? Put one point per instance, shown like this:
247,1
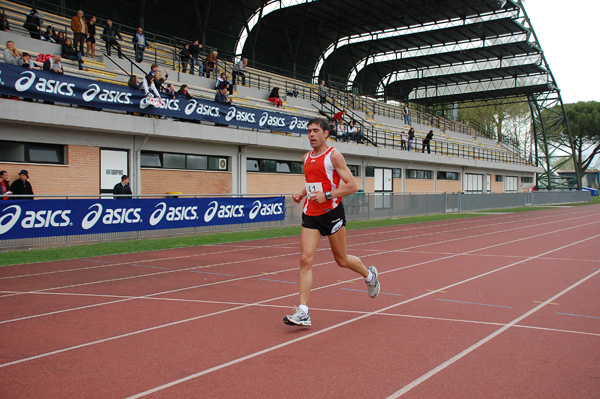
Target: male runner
323,215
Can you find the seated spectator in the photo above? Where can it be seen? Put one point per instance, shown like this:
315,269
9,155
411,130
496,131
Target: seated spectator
59,37
352,131
224,83
12,55
240,70
69,52
48,35
183,92
32,23
170,91
332,128
149,86
133,83
184,57
4,25
27,63
221,96
159,80
342,132
274,97
53,64
211,62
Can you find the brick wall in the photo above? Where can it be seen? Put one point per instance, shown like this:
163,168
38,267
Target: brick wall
161,181
81,175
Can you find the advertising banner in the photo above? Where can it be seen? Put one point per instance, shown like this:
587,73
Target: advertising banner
48,86
59,217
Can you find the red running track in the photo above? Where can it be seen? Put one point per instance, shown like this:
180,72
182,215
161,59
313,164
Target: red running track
499,306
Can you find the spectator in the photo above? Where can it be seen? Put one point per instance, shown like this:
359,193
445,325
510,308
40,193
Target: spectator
27,63
159,80
322,93
91,38
139,44
22,186
403,138
338,116
170,91
12,55
153,69
195,50
53,64
406,114
183,92
274,97
342,132
4,184
133,83
48,35
184,57
240,70
224,83
80,30
221,96
122,190
59,37
4,25
211,62
70,53
411,138
427,141
149,86
110,35
32,23
353,133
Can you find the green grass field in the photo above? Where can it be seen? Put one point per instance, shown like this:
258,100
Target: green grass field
21,256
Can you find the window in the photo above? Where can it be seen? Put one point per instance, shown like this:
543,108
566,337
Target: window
526,179
396,173
447,176
273,166
370,171
499,178
418,174
473,183
169,160
11,151
511,184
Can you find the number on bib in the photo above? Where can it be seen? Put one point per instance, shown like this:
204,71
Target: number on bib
312,187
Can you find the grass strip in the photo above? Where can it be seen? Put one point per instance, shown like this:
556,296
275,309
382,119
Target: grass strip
22,256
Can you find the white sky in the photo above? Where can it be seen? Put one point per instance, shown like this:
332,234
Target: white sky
569,33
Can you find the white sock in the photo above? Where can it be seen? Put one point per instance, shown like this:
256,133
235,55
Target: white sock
369,277
303,308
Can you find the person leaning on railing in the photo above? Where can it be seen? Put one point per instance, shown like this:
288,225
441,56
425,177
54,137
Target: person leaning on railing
110,35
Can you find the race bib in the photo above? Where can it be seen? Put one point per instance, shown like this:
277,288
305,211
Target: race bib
312,187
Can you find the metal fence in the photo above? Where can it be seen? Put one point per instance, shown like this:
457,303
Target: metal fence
359,206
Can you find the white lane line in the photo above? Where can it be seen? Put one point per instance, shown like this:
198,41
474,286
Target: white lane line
483,341
287,343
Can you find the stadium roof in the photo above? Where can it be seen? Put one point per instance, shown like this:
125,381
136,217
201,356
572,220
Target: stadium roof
426,51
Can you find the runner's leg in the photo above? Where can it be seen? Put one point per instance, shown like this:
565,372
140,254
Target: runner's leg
309,239
337,242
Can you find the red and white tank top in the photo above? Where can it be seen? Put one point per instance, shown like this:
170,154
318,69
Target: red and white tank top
321,176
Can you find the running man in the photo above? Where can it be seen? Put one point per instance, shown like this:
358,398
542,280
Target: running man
323,215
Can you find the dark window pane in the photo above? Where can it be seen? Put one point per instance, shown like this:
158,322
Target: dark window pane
197,162
151,160
46,154
12,152
173,161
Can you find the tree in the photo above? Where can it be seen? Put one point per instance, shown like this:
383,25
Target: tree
584,123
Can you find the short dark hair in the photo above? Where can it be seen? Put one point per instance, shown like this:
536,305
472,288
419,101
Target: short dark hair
322,122
124,177
3,172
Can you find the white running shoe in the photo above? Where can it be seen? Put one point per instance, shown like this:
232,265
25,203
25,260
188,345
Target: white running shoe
373,285
299,318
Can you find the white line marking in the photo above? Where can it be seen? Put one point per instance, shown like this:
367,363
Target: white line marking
284,344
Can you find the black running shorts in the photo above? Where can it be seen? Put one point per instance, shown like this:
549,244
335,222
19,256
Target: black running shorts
328,223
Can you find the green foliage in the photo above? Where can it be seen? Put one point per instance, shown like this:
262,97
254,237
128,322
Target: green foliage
584,123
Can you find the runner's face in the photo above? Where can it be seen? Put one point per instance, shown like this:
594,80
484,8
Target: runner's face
316,135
